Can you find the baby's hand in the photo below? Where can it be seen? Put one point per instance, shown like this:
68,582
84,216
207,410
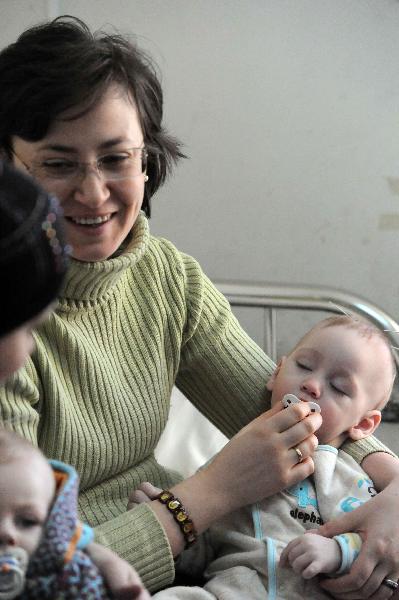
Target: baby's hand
144,493
121,579
311,554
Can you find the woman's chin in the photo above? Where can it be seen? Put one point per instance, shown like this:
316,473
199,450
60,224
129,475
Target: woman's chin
93,254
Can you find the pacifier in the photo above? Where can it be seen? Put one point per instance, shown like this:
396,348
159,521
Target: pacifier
289,399
13,565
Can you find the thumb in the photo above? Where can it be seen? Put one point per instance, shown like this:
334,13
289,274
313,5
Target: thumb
350,521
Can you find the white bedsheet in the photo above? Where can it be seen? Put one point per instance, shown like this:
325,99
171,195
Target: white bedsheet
189,439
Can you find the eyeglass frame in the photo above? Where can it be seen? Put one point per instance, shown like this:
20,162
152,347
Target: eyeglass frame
82,166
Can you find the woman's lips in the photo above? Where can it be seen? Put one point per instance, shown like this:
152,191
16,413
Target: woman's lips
90,225
90,220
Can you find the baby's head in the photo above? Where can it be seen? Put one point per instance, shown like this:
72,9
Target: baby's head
32,263
345,365
26,492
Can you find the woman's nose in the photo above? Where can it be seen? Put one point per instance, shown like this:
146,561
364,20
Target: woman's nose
311,387
92,190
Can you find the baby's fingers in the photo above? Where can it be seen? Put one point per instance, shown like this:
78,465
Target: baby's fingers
144,493
289,553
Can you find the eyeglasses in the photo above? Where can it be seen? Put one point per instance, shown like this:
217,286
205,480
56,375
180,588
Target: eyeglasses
124,164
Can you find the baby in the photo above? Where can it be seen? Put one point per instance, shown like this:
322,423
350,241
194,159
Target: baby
41,540
345,368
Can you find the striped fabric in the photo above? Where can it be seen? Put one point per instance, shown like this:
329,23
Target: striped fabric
96,392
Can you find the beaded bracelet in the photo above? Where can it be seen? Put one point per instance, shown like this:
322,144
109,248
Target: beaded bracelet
180,515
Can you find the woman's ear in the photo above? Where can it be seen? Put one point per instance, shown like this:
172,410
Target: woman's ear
366,426
270,383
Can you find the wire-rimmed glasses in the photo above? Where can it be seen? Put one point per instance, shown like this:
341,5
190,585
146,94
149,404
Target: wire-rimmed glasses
113,166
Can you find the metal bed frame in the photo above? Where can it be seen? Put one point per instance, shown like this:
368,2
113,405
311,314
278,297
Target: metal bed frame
271,297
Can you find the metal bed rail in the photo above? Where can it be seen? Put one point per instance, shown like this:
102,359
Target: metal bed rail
272,297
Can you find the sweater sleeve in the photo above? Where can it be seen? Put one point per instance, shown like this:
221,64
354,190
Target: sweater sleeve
138,537
20,403
362,448
222,371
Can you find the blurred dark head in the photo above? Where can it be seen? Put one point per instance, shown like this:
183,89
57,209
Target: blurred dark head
33,251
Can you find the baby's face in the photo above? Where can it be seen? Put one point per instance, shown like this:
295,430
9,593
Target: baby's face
16,346
343,372
26,492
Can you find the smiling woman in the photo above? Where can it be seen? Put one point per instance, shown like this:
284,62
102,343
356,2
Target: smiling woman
100,210
83,113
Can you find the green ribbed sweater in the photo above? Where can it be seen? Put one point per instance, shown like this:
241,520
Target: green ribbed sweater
96,392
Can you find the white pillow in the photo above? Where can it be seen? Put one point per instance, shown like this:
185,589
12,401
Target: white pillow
189,439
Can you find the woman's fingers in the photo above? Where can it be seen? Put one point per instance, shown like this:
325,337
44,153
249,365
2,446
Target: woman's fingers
288,417
296,424
375,587
359,587
379,557
261,459
303,450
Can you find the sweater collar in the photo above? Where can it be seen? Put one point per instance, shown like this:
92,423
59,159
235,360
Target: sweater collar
90,281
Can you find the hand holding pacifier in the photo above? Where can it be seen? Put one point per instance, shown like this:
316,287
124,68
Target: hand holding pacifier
13,565
289,399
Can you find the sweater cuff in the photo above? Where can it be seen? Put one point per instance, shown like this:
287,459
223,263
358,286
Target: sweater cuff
138,537
362,448
350,544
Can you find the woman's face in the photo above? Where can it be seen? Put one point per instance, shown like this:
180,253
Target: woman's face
111,126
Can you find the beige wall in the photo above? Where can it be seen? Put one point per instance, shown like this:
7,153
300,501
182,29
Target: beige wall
290,115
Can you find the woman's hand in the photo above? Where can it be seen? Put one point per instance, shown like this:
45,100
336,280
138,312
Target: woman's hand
262,458
377,521
121,579
257,462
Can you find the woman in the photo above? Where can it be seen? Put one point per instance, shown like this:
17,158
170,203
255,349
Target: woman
83,115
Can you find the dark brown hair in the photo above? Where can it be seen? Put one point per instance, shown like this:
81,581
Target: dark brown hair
33,249
61,65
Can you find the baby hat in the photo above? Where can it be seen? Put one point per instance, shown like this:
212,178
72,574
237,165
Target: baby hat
33,251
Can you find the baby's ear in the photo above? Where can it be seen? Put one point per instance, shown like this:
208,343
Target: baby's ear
366,426
270,383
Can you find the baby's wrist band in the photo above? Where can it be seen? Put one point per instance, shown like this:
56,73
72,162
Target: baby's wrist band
180,515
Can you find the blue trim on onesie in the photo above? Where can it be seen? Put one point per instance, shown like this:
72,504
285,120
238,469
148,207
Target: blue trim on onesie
271,568
256,521
270,552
